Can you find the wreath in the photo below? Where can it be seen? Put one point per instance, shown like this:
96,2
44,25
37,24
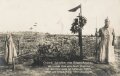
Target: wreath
77,24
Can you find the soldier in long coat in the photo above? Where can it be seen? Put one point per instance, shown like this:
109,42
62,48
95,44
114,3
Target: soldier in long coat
106,46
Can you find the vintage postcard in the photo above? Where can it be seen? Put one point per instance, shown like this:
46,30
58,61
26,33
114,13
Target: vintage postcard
59,37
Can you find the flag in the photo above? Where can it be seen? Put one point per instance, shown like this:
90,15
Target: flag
75,8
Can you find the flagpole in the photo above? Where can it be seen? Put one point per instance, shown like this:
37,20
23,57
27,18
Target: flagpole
80,24
80,36
80,14
96,56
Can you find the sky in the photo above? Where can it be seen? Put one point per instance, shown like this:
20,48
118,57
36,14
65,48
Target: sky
52,16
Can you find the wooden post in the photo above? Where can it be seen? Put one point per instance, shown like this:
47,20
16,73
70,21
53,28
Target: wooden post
13,62
96,48
96,44
80,35
80,44
18,46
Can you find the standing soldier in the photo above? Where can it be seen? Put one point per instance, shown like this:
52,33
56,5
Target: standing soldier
106,46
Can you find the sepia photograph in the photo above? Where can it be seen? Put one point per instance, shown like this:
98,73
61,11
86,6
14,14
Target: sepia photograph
59,37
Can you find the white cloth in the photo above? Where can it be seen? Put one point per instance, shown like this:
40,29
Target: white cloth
105,47
10,50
